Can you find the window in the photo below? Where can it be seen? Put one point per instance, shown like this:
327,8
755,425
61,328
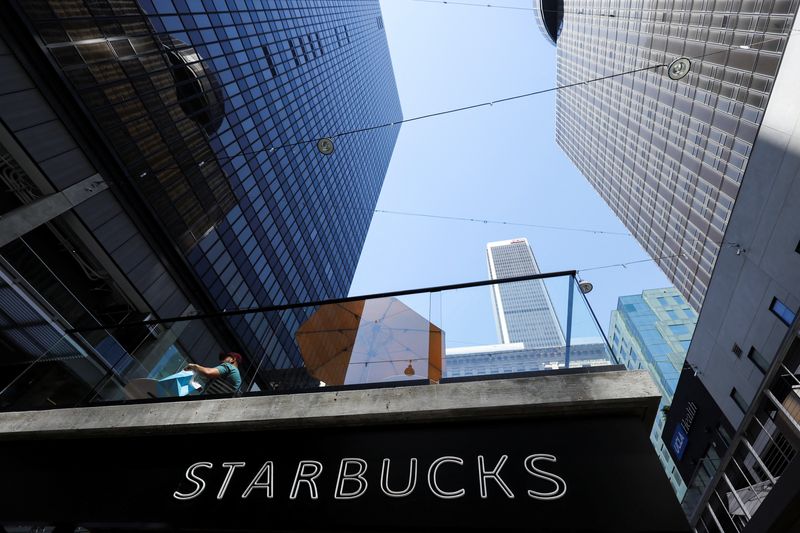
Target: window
758,360
739,400
737,350
780,310
679,329
270,62
797,248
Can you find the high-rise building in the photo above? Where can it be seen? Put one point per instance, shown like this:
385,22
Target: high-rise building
652,331
667,156
734,426
188,132
529,330
523,312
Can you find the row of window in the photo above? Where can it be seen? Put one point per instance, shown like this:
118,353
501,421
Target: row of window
787,316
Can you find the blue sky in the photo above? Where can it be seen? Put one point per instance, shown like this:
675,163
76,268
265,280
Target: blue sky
497,163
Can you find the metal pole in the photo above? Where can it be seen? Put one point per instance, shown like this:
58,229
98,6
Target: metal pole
571,281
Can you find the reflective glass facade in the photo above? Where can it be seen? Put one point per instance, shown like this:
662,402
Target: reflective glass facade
198,101
668,156
652,331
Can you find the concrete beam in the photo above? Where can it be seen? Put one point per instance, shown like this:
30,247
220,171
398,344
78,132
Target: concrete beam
20,221
601,392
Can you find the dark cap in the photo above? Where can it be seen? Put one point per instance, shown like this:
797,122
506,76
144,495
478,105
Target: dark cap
236,356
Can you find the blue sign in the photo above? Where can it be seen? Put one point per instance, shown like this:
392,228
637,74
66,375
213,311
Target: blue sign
679,441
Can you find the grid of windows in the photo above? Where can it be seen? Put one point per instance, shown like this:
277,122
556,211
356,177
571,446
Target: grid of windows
524,310
668,156
480,363
191,96
653,331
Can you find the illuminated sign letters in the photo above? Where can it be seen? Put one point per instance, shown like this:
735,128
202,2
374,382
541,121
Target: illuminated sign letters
352,478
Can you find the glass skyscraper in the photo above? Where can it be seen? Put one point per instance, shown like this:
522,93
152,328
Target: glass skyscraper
210,111
523,312
667,156
652,331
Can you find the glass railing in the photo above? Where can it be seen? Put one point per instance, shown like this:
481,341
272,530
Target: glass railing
480,330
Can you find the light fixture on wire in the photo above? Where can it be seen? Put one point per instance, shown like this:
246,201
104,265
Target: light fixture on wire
679,68
325,146
585,286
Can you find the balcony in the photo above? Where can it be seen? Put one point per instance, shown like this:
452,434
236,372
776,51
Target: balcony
472,331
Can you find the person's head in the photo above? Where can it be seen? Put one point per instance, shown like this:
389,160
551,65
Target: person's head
230,357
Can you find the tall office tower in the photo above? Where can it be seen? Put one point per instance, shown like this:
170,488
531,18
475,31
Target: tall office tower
196,122
667,156
733,429
523,311
652,331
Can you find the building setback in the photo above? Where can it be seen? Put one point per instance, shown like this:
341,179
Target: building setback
667,156
182,113
652,331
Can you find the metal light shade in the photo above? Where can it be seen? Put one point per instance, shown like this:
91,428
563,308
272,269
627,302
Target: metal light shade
369,341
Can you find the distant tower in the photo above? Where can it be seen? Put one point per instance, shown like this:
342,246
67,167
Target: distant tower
523,311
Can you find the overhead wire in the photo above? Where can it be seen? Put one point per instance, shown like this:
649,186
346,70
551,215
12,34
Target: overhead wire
501,222
498,6
270,150
488,103
635,262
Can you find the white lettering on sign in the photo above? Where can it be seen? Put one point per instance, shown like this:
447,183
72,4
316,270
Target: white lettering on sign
356,477
412,479
258,484
493,474
200,484
560,484
307,472
231,467
351,481
433,483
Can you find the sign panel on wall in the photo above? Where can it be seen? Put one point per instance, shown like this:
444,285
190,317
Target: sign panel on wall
598,474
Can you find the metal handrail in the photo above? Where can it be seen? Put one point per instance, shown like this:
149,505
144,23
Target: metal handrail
284,307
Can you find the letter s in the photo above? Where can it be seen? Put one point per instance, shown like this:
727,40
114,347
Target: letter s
561,485
191,476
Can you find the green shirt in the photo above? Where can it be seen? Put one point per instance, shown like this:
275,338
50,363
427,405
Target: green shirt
230,373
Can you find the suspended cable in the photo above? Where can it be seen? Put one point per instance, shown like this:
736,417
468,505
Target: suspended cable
501,222
476,5
489,103
628,263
